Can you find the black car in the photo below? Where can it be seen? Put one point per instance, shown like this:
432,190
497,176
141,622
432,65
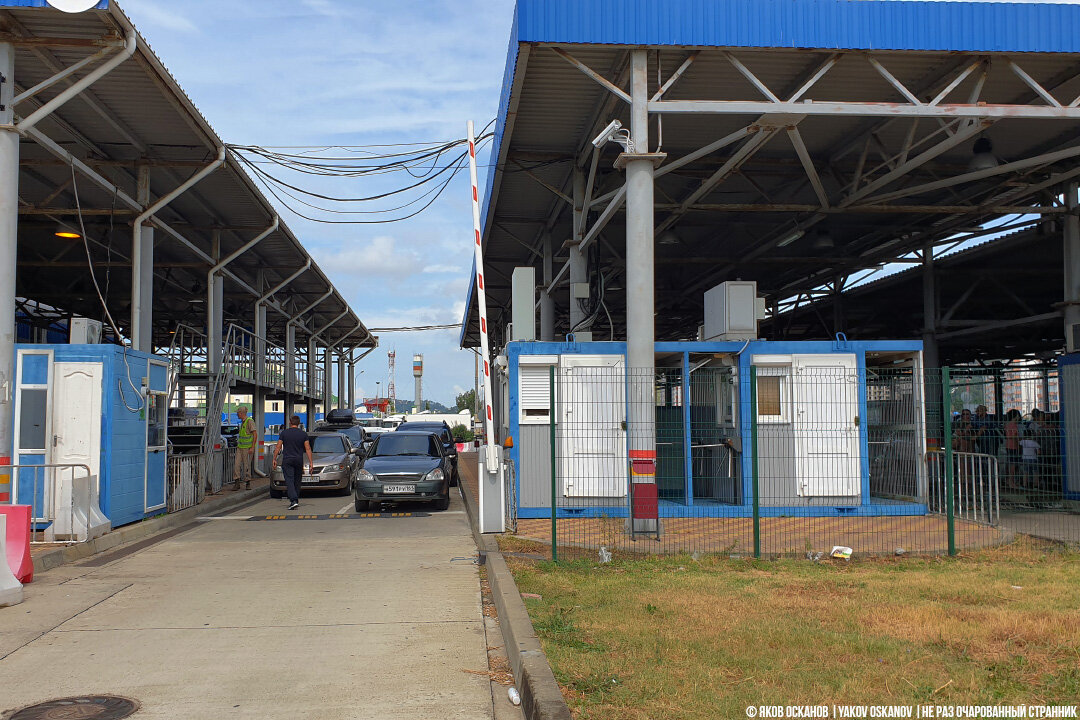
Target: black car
356,434
404,467
446,436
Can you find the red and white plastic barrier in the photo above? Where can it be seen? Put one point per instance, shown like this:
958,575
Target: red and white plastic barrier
492,463
17,537
11,590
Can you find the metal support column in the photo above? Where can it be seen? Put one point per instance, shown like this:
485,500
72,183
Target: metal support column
579,270
215,299
640,289
290,363
260,334
547,303
142,272
352,378
9,226
1072,269
311,362
342,380
328,378
929,288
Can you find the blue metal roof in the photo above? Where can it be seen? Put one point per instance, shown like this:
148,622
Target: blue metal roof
822,24
102,5
909,25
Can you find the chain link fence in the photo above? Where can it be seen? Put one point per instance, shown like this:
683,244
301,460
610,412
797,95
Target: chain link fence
795,456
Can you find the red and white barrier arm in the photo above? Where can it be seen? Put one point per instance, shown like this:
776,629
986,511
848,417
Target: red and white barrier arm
481,306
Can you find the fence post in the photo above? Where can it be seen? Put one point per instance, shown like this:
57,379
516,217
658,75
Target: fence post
754,460
946,408
554,483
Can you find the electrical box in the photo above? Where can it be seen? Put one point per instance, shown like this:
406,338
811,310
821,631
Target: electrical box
731,311
85,331
523,304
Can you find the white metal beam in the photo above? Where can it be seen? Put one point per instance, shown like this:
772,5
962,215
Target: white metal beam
864,109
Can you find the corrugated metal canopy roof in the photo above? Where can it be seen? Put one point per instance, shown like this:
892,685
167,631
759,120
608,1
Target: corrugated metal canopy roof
550,111
137,116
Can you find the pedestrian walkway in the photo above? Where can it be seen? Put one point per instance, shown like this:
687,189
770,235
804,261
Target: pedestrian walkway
328,618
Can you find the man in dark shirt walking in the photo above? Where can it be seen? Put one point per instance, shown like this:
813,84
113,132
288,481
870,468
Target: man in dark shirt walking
292,445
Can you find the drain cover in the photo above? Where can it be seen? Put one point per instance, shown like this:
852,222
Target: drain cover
90,707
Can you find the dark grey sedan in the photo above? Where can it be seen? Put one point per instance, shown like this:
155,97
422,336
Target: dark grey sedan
404,467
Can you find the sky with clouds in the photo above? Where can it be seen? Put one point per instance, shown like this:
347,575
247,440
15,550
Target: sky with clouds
355,72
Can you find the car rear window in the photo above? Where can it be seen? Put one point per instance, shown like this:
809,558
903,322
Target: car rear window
402,444
327,444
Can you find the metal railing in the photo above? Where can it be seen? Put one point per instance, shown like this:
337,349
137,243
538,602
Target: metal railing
976,487
63,501
185,489
510,494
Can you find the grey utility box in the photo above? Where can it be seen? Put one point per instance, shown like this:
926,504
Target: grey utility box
523,304
732,311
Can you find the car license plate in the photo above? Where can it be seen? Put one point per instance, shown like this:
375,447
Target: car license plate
309,480
399,489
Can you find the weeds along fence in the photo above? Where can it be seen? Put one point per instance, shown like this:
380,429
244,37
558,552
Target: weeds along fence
795,456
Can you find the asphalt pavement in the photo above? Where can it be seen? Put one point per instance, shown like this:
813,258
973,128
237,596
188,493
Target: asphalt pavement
293,614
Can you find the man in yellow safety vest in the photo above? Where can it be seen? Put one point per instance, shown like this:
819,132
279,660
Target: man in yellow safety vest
245,449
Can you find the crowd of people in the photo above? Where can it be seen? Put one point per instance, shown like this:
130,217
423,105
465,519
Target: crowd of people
1028,449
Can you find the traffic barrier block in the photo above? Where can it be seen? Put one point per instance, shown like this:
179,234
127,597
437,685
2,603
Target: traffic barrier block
11,590
18,542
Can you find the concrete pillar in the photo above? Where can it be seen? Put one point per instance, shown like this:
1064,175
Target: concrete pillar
640,287
9,227
215,298
142,274
1072,268
547,303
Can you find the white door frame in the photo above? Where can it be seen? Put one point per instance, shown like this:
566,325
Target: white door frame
18,450
147,392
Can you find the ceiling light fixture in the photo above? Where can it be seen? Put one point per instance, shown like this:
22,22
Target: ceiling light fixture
790,238
984,158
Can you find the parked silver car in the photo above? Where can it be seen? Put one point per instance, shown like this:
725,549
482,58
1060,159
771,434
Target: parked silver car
336,465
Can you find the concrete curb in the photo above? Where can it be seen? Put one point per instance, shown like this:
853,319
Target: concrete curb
142,530
541,698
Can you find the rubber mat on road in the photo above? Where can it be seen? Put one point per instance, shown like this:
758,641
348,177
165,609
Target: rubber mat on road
350,516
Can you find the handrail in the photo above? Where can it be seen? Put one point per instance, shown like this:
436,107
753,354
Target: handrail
976,486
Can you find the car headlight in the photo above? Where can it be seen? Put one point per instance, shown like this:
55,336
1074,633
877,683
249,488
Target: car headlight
366,476
334,468
435,475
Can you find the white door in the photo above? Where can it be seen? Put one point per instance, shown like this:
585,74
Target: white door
592,414
825,396
76,440
76,409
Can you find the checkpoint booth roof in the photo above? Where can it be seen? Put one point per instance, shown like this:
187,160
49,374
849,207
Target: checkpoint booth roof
126,142
806,143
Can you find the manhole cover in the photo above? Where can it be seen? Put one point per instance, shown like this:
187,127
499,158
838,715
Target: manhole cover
97,707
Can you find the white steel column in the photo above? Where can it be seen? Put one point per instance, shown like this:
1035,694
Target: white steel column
1072,266
328,377
640,287
579,271
9,227
260,344
290,360
342,380
215,299
352,378
312,360
547,303
142,273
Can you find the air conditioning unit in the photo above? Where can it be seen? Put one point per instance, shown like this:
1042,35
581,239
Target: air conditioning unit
732,311
85,331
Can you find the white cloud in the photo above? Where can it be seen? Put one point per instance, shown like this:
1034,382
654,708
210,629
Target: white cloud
149,16
375,260
443,269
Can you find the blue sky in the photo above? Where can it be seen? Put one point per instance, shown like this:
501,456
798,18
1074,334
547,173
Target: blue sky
355,72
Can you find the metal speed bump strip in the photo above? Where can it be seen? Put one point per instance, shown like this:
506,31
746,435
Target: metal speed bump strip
353,516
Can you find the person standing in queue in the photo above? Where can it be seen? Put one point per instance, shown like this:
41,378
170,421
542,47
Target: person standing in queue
292,445
245,449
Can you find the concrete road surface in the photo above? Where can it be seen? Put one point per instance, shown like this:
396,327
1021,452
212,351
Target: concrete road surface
299,618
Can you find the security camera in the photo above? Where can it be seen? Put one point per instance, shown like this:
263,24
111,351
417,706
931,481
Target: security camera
607,134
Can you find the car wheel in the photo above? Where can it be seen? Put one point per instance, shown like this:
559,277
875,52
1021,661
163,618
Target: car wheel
443,502
276,494
362,506
455,478
347,490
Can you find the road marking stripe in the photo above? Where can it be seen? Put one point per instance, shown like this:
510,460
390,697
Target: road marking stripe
225,517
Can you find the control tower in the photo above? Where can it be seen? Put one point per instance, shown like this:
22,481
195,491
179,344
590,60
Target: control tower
418,374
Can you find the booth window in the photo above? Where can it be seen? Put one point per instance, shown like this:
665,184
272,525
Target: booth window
774,394
535,397
156,413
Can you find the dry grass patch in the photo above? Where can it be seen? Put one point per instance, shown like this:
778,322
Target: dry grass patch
678,638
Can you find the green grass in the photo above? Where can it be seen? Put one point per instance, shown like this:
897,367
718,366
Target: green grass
678,638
